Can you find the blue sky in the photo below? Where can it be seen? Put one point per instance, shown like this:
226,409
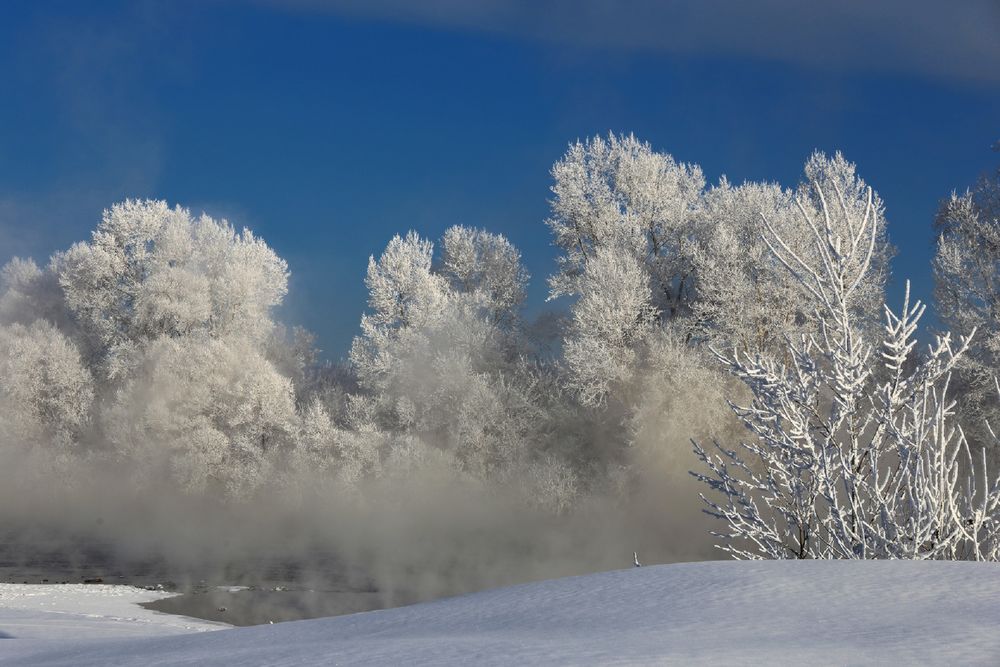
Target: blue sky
327,126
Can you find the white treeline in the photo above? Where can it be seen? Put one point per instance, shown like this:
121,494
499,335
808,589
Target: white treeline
647,246
154,349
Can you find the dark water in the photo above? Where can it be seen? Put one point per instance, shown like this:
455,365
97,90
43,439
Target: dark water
256,606
250,592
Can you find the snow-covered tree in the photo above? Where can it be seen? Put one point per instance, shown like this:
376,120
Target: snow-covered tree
621,195
744,297
206,412
479,279
46,393
685,255
403,294
967,295
29,293
842,461
151,271
832,191
157,335
612,316
438,353
627,220
488,267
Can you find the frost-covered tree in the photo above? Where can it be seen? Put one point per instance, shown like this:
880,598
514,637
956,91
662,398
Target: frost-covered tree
403,295
208,412
29,293
487,267
151,271
157,336
480,280
627,220
744,297
621,195
841,461
687,256
612,316
438,356
46,392
967,295
832,191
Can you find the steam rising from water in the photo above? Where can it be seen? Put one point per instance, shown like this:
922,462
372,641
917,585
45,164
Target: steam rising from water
417,537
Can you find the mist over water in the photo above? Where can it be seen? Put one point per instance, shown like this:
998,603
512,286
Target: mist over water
384,543
389,544
409,534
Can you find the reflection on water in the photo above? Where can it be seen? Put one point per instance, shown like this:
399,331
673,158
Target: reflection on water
255,606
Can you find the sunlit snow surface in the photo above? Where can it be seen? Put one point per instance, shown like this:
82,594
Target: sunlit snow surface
62,612
722,612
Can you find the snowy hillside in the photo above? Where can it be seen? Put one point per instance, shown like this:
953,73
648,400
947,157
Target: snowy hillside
731,612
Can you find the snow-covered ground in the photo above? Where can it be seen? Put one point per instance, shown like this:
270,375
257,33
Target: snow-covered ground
41,614
811,612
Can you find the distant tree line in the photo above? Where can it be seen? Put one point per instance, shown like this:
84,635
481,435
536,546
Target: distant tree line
153,348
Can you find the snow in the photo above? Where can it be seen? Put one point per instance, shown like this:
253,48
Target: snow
44,612
893,612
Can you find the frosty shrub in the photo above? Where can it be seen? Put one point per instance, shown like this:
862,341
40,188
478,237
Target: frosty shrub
853,450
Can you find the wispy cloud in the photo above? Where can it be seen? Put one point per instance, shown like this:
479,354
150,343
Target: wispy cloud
955,41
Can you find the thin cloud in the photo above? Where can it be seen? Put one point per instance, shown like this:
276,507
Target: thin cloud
950,41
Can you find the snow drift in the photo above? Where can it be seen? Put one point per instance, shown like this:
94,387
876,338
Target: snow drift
893,612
